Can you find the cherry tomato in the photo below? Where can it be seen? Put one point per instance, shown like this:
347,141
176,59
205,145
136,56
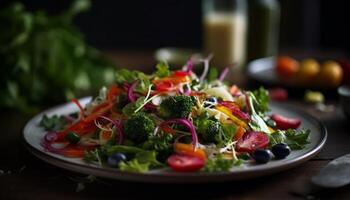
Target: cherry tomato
184,163
287,67
252,141
285,123
187,149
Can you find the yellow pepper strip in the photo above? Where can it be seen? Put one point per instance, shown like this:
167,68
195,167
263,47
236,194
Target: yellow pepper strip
228,112
271,129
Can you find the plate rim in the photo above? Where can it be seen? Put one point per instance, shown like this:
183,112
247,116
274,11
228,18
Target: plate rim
176,177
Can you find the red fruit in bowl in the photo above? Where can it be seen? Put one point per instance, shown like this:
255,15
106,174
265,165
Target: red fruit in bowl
285,123
252,141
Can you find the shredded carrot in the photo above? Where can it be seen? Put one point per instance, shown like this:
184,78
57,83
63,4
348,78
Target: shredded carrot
82,112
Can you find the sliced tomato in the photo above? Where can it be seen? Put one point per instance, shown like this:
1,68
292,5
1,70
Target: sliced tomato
252,141
181,73
285,123
187,149
185,163
164,86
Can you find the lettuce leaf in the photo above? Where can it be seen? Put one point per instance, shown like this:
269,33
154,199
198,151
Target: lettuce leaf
295,139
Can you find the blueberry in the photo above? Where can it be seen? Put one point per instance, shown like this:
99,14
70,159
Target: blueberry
280,150
115,159
262,156
209,102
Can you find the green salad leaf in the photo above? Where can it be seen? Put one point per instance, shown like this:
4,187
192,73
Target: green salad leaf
218,164
53,123
134,166
149,157
128,76
130,108
257,123
295,139
261,100
162,69
122,149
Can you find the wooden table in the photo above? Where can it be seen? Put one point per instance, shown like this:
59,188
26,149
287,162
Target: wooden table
23,176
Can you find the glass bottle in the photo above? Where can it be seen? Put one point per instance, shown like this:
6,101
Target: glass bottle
225,29
263,29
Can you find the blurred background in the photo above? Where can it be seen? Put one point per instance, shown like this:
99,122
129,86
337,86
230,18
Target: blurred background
52,51
317,24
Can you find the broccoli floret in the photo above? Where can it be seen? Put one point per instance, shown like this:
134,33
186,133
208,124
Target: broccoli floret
138,127
210,130
162,143
177,106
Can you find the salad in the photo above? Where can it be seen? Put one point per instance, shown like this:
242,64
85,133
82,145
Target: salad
174,120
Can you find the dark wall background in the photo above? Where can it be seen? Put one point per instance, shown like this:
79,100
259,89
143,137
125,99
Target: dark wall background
126,24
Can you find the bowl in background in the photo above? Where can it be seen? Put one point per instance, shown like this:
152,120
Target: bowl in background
344,94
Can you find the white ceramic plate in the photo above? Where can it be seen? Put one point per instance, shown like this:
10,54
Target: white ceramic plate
33,134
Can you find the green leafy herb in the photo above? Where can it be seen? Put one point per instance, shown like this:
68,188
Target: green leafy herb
257,123
295,139
97,155
218,164
45,59
124,75
229,131
53,123
149,157
162,69
261,100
